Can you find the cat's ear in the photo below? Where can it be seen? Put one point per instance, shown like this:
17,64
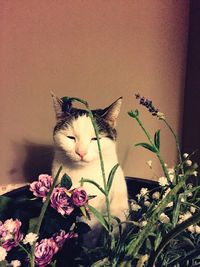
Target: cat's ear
58,103
111,113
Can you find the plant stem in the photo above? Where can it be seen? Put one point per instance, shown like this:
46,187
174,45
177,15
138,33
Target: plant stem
157,151
177,145
100,157
41,216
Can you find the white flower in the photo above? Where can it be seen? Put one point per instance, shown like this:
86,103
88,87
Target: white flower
197,229
191,228
170,204
156,195
195,173
192,209
147,203
183,199
135,206
188,162
3,254
163,181
15,263
30,238
171,173
143,191
143,223
149,163
185,216
164,218
185,155
166,192
161,115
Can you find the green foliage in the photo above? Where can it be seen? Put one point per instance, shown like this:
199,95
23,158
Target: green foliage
66,181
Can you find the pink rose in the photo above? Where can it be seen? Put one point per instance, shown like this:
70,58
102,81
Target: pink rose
61,201
44,251
79,197
10,235
41,187
62,236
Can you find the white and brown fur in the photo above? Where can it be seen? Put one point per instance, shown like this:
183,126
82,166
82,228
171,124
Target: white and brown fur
76,151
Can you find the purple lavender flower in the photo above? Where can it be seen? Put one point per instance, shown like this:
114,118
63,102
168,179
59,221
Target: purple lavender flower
44,251
62,236
61,201
41,187
79,197
148,104
10,235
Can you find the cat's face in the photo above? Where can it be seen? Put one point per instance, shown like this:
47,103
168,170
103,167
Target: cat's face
74,133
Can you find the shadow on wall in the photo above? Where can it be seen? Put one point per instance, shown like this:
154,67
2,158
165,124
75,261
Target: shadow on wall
38,160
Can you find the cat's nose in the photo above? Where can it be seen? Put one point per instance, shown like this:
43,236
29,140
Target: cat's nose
81,153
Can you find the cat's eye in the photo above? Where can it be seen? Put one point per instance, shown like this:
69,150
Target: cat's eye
95,139
71,137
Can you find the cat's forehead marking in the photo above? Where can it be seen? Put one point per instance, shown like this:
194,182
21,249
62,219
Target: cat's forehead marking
82,126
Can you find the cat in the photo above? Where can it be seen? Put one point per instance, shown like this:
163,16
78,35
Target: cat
76,151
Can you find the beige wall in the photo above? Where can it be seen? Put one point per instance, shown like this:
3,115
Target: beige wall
96,50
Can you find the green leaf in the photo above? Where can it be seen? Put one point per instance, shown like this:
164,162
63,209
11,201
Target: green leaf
157,139
111,176
66,181
147,146
133,114
157,240
94,183
83,211
99,217
176,211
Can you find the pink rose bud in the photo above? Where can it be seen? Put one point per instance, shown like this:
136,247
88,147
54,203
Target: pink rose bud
41,187
61,201
79,197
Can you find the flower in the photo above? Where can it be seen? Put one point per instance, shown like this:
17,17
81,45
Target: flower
188,162
164,218
148,104
156,195
147,203
30,238
61,201
185,155
144,191
197,229
195,173
184,217
135,206
142,224
79,197
62,236
192,209
3,254
10,233
41,187
161,115
163,181
44,251
15,263
191,228
171,173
